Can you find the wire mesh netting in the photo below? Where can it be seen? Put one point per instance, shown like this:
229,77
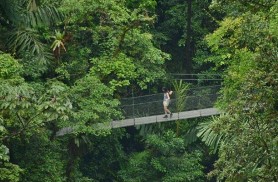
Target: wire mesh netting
149,105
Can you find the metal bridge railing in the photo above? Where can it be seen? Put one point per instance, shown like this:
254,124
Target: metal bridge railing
149,105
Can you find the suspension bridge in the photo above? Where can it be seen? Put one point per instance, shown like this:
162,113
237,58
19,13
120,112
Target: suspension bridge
148,109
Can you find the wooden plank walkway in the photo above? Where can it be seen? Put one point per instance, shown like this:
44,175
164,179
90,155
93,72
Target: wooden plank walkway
148,120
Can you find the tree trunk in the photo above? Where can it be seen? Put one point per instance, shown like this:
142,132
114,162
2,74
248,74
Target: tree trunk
187,66
71,164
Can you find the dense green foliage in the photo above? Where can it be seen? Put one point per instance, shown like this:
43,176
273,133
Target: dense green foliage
247,44
165,159
67,64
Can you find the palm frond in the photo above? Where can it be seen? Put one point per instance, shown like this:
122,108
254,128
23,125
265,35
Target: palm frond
27,40
43,16
22,18
181,89
19,15
32,5
209,136
191,136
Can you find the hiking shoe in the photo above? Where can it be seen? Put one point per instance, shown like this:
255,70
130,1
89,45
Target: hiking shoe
171,115
165,116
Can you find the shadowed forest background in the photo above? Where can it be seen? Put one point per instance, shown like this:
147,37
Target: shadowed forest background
69,63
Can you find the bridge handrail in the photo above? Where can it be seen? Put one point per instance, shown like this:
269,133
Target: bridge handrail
151,95
160,101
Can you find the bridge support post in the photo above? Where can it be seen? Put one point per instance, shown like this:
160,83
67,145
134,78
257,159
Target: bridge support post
111,124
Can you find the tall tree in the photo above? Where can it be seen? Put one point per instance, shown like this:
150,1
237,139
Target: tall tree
180,29
116,36
187,65
246,45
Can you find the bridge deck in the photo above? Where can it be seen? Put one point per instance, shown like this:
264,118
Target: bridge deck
149,120
159,118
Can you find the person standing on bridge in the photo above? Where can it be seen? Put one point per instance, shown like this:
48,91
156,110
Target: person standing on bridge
166,102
